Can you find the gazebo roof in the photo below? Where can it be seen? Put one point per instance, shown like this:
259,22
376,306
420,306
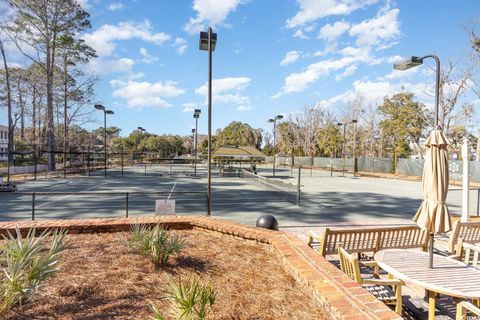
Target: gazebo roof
238,151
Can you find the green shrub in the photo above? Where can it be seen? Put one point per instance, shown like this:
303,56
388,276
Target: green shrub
191,300
27,262
156,243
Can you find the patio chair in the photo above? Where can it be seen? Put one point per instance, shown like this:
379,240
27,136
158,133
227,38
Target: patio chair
464,308
467,253
389,291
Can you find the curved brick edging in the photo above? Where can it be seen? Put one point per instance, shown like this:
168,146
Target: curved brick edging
341,297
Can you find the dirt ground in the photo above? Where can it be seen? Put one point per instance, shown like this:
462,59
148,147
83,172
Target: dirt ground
101,279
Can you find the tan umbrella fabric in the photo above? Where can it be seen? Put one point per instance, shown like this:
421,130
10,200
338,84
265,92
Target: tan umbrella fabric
433,214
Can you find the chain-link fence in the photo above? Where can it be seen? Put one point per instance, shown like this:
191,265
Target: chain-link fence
58,205
411,167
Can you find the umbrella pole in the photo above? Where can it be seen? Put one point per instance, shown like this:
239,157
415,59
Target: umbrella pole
430,261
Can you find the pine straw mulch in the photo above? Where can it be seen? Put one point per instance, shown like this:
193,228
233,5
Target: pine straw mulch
101,279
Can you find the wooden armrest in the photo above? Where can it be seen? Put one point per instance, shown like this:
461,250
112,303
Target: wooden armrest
385,282
455,257
312,239
464,305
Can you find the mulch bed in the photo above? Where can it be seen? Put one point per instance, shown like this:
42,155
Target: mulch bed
101,279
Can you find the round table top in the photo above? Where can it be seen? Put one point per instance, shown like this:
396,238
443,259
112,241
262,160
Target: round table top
448,276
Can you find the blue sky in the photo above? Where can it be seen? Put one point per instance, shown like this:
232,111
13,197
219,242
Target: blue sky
272,56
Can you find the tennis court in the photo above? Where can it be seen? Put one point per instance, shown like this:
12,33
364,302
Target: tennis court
325,200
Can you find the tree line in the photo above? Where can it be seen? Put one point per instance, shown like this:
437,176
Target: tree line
49,100
48,96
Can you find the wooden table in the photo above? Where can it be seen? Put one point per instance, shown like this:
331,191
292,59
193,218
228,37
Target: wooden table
448,276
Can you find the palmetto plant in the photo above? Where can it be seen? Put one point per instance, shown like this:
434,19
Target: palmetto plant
154,242
191,300
26,263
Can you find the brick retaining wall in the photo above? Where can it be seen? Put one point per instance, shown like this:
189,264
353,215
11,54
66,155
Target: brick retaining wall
341,297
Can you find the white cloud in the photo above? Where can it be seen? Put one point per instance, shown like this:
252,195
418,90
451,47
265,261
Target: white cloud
331,32
227,90
147,58
145,94
290,57
115,6
299,34
181,45
378,31
297,82
244,108
311,10
211,12
103,39
190,106
374,92
348,72
106,66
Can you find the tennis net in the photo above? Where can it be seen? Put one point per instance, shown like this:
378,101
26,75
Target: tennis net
286,191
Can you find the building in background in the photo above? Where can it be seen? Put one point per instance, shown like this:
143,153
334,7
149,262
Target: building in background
3,143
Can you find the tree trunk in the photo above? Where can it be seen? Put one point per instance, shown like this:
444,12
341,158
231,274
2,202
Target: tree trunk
50,123
65,113
34,115
21,104
9,108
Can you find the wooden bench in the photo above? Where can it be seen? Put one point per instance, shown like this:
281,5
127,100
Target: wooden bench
369,240
469,232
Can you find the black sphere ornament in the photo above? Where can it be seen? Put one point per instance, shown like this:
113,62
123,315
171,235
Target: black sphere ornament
267,222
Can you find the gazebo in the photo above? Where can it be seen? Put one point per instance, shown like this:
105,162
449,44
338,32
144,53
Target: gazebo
231,155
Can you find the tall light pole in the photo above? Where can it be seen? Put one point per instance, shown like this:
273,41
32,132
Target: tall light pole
196,115
344,124
192,150
343,146
105,112
142,130
355,164
274,121
414,62
208,42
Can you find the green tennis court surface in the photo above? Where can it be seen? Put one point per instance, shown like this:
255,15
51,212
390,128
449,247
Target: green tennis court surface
325,200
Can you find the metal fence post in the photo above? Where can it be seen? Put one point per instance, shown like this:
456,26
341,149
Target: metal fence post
126,205
33,206
206,204
298,185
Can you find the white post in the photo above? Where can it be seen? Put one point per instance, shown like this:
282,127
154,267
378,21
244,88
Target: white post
465,184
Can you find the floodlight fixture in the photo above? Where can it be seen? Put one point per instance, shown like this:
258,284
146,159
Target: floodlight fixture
408,63
203,44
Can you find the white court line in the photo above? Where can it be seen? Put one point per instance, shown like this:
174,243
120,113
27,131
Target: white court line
171,191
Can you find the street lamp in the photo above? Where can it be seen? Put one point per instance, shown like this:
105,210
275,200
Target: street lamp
343,147
105,112
355,164
410,63
344,124
274,121
196,115
416,61
142,130
208,41
192,150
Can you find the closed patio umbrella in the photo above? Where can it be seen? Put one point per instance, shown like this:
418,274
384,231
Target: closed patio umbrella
433,214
